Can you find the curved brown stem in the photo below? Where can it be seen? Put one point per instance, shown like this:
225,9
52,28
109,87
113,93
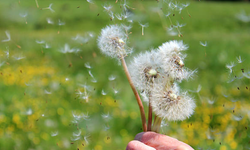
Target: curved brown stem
143,118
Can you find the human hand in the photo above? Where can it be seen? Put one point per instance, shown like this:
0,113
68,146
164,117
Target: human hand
156,141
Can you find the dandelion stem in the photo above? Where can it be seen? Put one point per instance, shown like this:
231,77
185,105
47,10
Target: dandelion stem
149,115
143,118
157,124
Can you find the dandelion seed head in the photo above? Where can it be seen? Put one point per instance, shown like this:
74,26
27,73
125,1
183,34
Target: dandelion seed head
112,42
145,70
169,103
172,60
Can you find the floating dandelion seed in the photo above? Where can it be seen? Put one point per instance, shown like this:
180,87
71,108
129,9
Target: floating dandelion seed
75,138
49,21
40,42
142,27
90,1
112,78
7,53
106,128
93,78
47,46
29,111
87,65
8,37
203,44
66,49
54,133
237,118
230,66
47,92
2,63
85,116
24,15
239,59
104,93
119,17
50,7
107,8
60,23
106,116
116,91
86,138
18,57
211,101
77,133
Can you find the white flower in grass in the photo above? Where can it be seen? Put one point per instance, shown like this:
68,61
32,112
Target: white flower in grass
173,61
169,103
145,70
112,42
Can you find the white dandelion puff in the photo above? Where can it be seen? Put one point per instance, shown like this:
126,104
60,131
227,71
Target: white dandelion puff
145,69
112,42
173,60
168,103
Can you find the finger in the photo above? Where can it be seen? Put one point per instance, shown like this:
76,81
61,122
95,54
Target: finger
137,145
160,141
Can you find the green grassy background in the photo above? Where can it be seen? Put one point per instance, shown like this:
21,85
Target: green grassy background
47,69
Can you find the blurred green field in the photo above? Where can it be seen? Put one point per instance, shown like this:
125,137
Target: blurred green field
38,93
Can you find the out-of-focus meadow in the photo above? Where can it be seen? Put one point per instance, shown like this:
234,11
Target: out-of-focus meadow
57,91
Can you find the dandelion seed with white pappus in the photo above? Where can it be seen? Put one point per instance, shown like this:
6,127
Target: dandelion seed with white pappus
8,37
112,42
239,59
230,67
50,7
142,27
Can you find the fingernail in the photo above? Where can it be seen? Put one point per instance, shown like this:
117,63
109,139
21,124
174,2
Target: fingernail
181,147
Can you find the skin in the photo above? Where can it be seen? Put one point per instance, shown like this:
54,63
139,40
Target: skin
155,141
